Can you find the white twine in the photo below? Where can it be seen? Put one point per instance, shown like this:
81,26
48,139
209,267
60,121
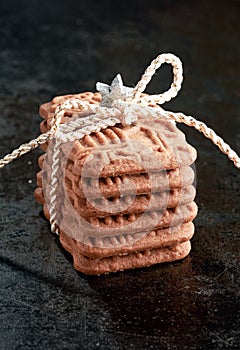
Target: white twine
123,109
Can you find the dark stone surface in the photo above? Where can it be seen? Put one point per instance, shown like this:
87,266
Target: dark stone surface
54,47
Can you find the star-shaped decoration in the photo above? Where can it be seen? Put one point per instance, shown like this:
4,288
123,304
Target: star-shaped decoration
113,92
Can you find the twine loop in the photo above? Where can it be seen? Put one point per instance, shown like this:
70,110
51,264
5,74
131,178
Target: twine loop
149,73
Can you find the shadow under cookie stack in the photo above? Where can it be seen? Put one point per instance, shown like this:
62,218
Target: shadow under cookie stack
128,193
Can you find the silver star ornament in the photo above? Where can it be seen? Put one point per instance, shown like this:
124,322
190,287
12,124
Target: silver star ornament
115,91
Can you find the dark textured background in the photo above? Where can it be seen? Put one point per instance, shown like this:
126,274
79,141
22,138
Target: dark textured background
54,47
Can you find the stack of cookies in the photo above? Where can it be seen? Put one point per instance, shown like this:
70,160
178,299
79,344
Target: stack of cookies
126,193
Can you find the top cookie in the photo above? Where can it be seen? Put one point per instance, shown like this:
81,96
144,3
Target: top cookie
151,145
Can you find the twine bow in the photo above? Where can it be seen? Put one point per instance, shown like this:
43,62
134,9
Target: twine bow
119,104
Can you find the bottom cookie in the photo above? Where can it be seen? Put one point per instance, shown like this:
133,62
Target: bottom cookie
126,261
